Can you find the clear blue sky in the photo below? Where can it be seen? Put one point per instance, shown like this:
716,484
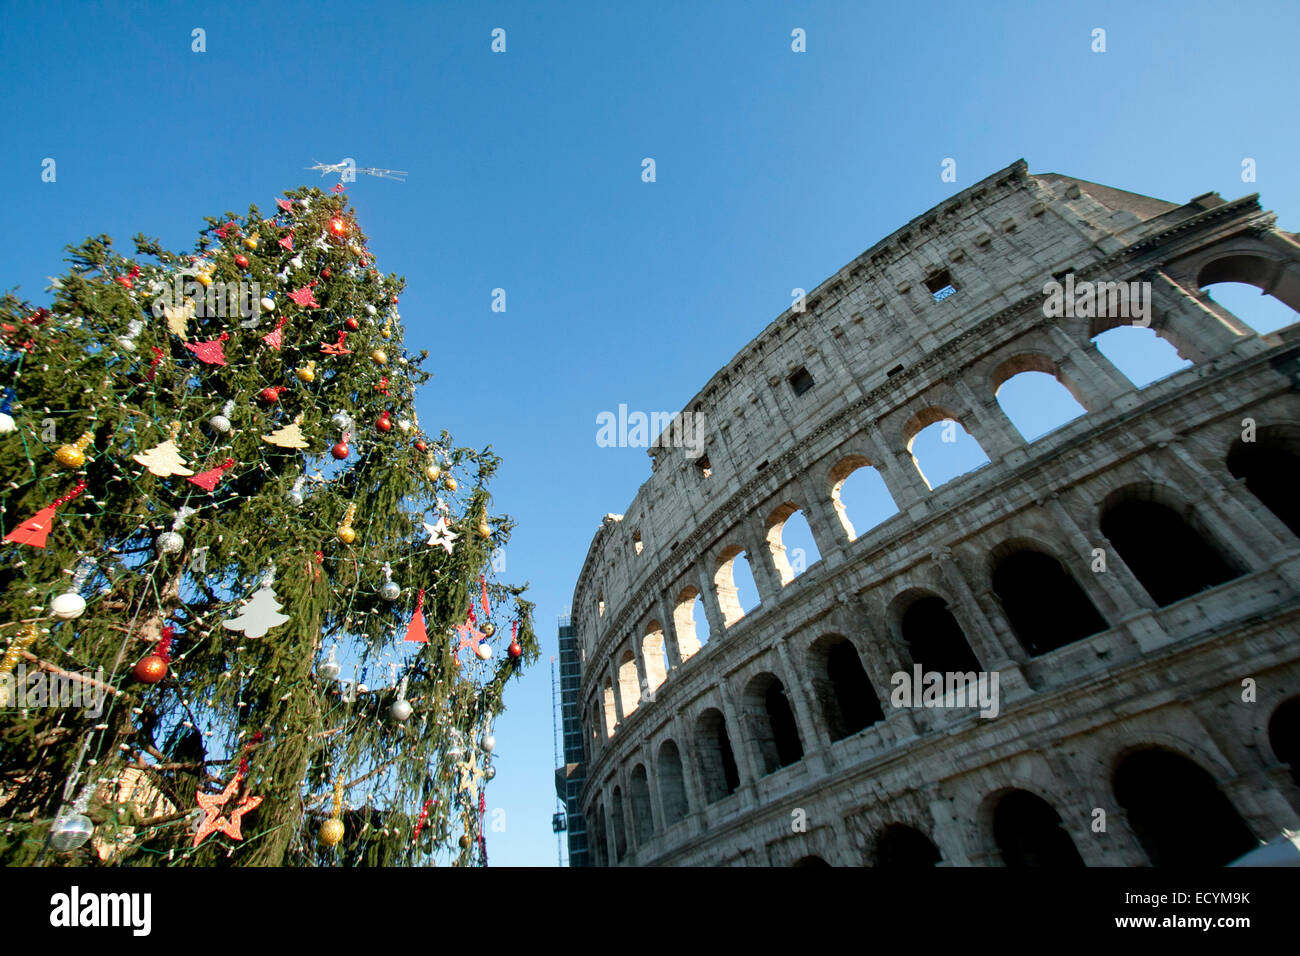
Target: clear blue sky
774,169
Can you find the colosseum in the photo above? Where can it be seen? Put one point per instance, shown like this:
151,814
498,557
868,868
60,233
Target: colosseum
1131,579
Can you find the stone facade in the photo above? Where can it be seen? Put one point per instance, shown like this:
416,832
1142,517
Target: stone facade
772,744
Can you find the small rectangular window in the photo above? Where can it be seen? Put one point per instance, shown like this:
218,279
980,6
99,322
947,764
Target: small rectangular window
893,371
940,285
800,381
702,463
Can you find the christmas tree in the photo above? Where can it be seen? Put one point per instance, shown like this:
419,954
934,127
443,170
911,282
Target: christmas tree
215,499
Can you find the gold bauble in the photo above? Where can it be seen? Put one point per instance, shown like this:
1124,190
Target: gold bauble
379,356
451,483
74,455
331,832
354,249
434,472
483,529
347,535
489,629
307,373
204,279
250,243
465,841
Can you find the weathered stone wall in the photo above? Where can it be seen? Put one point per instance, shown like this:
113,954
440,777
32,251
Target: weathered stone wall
887,359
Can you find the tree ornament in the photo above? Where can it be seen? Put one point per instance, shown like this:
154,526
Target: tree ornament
212,804
440,534
68,606
489,629
351,323
165,460
271,394
329,669
342,420
384,423
275,338
211,352
208,480
303,297
387,330
171,542
307,373
433,471
484,651
72,829
14,653
341,451
331,832
421,446
370,309
514,650
36,529
489,743
261,613
153,667
379,356
390,590
483,530
241,261
74,455
267,304
296,262
220,424
295,493
401,709
415,631
250,243
290,436
450,483
339,347
345,532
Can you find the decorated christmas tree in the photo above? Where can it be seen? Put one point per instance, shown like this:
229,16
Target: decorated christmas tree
264,594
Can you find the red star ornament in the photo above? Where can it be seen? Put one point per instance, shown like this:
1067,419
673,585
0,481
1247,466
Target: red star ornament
211,804
210,352
304,298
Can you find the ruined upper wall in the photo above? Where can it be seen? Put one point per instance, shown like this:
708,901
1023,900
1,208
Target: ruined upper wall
998,241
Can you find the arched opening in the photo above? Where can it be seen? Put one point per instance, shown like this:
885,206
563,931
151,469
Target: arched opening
1177,812
690,622
611,710
1034,398
814,862
790,541
1258,310
620,830
1167,556
938,438
1270,466
841,685
602,838
901,847
1277,279
654,651
1028,832
935,639
733,582
629,686
642,814
600,605
1045,605
771,722
719,774
1140,354
595,728
1284,735
672,784
860,497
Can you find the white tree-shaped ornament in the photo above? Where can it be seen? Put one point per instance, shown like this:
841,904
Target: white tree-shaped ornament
261,613
165,460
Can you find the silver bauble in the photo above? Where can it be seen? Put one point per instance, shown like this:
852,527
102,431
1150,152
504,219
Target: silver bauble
341,420
370,309
484,651
489,773
401,711
489,743
7,423
170,542
70,831
219,424
68,606
330,669
390,591
296,262
268,304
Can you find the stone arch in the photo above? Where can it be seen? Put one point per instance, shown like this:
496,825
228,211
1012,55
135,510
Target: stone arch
1177,811
724,583
1270,467
654,652
719,775
812,861
1044,604
672,784
1254,263
1169,555
642,813
611,708
934,415
840,684
1143,355
770,722
620,827
1022,417
899,846
629,684
933,636
601,843
1284,735
775,529
684,623
849,468
1028,831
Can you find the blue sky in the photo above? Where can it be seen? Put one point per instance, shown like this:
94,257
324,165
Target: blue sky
774,168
